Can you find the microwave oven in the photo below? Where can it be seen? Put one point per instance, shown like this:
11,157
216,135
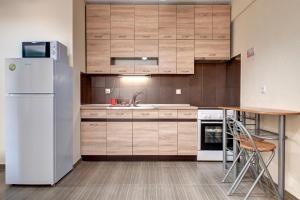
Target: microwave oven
51,49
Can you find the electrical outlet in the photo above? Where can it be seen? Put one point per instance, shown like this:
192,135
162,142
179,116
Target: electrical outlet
107,90
178,91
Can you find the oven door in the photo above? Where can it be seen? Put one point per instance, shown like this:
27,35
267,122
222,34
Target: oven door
211,135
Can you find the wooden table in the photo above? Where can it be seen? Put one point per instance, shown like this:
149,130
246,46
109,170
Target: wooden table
281,137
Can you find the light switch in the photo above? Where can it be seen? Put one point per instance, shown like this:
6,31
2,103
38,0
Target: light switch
107,90
264,89
178,91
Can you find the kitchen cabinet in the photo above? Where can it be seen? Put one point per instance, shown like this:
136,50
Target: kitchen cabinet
221,22
167,139
122,49
119,138
146,22
145,114
212,49
119,114
98,56
203,22
97,21
148,49
168,114
93,138
167,56
145,138
122,22
185,56
185,22
187,138
167,22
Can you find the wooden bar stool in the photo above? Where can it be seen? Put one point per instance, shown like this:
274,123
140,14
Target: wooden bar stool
254,148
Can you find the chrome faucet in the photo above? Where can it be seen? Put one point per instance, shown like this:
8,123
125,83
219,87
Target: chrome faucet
134,102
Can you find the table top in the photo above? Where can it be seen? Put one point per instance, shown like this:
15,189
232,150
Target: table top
263,111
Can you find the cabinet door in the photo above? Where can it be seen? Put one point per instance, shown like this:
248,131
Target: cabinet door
93,138
122,22
221,22
146,22
187,138
122,49
167,22
98,56
185,56
119,138
145,138
146,48
167,56
203,22
185,22
97,21
212,49
167,140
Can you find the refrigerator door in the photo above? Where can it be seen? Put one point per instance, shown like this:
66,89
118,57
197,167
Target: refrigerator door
29,139
29,75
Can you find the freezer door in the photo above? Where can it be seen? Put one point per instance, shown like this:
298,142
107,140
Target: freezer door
29,75
29,139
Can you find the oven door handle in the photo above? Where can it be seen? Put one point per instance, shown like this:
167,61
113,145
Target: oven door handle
211,122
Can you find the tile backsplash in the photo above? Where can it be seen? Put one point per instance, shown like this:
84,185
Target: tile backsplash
211,85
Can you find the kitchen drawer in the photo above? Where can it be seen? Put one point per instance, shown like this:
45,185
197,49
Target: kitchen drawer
93,114
187,114
168,114
145,114
119,114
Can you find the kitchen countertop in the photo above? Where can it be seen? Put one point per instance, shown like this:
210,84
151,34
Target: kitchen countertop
140,107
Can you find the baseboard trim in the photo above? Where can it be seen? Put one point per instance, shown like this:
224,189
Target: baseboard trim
139,158
77,163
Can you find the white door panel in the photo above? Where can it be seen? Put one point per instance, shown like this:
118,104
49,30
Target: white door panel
27,75
29,131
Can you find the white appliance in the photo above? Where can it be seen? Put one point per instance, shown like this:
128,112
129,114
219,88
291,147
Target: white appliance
38,121
210,135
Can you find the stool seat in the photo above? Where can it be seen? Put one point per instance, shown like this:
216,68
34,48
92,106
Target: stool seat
261,146
244,138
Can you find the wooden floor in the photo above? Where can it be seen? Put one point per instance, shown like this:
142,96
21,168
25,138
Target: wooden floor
135,181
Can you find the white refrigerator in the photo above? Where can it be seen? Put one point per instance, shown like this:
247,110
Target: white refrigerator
38,121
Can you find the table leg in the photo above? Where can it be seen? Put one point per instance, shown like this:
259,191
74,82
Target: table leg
224,140
281,157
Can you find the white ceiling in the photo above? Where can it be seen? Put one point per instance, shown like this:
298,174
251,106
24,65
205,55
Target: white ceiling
161,1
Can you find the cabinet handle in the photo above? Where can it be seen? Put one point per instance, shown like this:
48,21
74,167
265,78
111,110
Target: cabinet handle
145,114
212,54
99,36
122,36
187,114
146,36
122,71
167,36
146,70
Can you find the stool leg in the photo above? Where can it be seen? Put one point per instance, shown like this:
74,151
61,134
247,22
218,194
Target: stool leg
240,176
232,165
259,176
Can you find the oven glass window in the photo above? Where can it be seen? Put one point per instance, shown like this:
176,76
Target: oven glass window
213,134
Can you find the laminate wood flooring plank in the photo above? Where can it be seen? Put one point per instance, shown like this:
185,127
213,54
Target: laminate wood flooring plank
135,181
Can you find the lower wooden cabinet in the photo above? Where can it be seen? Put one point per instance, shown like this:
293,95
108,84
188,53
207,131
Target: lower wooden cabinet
167,138
93,138
145,138
187,138
119,138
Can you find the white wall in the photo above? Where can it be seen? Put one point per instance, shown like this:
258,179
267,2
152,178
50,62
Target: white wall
34,20
272,28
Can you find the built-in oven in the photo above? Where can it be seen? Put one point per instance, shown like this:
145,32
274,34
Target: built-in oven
210,135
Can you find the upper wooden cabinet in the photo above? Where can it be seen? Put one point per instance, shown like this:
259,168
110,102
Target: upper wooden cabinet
146,48
185,56
167,56
97,21
185,22
167,22
122,21
203,22
212,49
122,48
146,22
98,56
221,22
